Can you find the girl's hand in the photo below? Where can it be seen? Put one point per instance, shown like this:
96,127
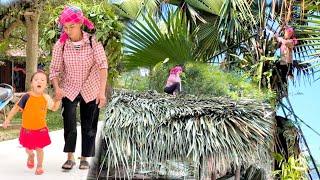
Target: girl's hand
59,93
101,100
5,124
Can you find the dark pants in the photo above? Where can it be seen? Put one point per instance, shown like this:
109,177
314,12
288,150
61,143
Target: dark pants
290,69
175,87
285,70
89,114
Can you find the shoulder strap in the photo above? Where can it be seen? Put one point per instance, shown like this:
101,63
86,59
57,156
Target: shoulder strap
63,47
90,39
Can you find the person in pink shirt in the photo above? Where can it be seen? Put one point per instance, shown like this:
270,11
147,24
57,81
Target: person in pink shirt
286,50
173,84
78,72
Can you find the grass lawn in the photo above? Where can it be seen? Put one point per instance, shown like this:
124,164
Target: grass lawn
54,122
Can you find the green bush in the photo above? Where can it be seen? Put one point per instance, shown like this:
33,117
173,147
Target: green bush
132,80
198,79
204,79
291,169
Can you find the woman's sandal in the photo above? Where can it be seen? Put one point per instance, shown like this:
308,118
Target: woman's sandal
68,165
39,171
84,164
30,161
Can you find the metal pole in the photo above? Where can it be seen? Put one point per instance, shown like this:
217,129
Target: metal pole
316,132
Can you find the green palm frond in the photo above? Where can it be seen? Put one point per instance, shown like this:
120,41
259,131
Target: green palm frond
310,5
207,37
147,43
195,15
309,37
132,8
210,6
306,24
236,21
304,71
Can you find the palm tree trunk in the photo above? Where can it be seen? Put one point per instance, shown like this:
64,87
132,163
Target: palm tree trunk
32,48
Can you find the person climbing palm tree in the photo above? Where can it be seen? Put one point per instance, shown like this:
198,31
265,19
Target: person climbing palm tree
286,49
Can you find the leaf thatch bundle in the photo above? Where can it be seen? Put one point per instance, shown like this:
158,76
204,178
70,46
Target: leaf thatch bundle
145,129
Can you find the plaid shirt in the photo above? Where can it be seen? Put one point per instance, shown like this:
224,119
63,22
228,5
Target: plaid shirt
78,70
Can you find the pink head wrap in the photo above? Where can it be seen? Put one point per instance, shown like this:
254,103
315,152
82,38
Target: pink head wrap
290,31
72,14
175,70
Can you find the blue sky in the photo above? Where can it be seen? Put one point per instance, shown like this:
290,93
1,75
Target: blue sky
305,100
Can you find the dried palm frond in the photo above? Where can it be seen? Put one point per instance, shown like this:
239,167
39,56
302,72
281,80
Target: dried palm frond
145,129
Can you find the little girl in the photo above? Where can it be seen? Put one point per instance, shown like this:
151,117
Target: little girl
34,133
286,49
173,84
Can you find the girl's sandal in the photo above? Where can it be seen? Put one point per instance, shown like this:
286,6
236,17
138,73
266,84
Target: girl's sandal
30,161
39,171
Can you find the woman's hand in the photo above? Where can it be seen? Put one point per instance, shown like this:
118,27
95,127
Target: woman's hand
59,93
101,100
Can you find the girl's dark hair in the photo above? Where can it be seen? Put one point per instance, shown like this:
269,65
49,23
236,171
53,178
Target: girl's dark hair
38,72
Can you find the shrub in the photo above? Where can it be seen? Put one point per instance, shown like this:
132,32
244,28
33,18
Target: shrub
198,79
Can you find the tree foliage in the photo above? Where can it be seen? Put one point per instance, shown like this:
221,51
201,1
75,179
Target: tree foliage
20,13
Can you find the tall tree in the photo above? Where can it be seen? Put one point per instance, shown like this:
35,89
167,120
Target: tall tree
32,47
24,13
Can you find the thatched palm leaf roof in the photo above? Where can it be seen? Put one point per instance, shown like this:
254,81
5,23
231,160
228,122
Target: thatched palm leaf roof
153,127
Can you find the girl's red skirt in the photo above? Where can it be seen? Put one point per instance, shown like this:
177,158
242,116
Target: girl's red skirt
33,139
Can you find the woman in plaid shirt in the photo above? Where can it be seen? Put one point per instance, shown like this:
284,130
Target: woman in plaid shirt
78,72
